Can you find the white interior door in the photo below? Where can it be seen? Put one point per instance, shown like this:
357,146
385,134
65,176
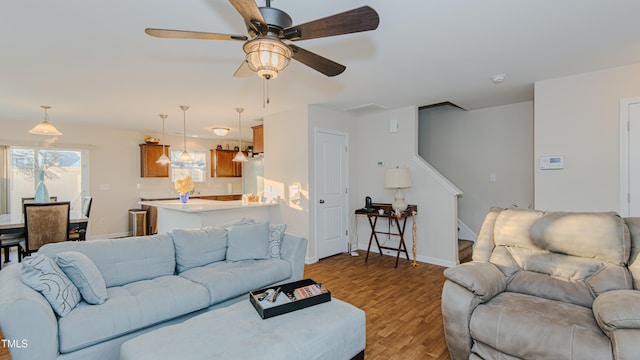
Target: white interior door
634,159
331,190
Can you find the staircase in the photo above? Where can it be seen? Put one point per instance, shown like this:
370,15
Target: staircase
465,250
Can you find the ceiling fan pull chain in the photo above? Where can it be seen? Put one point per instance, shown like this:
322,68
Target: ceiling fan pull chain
265,93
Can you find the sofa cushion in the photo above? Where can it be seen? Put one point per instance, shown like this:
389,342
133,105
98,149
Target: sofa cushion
248,242
125,260
197,247
529,327
43,275
276,234
85,275
226,280
129,308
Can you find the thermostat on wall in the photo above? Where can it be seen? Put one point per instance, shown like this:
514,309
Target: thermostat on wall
554,162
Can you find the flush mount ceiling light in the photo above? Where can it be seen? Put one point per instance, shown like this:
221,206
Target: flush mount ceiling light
184,157
220,131
45,128
240,155
163,159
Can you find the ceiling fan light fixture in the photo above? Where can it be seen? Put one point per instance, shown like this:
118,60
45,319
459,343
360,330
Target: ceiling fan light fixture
219,131
267,56
45,128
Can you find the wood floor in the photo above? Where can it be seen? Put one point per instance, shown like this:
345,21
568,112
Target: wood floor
404,320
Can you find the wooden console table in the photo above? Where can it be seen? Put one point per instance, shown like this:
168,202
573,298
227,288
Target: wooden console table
388,214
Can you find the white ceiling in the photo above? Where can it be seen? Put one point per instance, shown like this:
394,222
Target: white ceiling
92,62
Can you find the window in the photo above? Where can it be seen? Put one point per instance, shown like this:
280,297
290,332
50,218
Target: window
197,168
65,174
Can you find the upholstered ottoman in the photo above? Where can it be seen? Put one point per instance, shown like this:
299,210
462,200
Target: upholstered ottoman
333,330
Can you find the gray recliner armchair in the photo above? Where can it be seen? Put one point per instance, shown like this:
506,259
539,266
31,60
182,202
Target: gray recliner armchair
547,285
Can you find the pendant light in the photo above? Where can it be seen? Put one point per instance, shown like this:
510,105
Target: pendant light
163,159
45,128
184,157
240,155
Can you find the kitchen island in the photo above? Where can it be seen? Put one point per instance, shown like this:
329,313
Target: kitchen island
197,213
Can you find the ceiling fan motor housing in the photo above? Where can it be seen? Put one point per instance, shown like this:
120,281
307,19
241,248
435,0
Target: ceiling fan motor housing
276,20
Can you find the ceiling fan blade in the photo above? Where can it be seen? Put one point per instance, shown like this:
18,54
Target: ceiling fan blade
317,62
181,34
356,20
244,70
251,14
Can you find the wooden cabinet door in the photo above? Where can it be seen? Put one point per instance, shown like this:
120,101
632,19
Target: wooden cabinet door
222,164
149,153
258,139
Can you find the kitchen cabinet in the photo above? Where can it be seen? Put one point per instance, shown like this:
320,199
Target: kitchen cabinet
258,138
222,164
149,153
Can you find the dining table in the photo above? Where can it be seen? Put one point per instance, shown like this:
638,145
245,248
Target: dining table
13,223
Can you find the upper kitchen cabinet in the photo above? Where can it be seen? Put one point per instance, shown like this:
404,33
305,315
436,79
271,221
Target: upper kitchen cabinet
258,139
149,153
222,164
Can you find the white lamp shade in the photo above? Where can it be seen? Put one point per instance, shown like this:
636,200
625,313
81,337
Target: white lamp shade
240,157
221,131
397,178
45,128
185,157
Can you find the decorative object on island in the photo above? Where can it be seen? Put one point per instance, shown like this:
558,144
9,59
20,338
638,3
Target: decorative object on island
184,157
45,128
240,155
220,131
184,186
398,178
163,159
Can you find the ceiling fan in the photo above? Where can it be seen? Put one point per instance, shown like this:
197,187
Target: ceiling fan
269,28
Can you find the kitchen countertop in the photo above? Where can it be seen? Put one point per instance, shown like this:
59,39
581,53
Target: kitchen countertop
200,205
175,197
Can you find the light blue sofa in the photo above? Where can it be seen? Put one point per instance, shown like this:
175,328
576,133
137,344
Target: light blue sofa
152,281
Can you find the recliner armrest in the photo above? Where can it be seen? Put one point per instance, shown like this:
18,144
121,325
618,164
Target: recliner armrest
617,309
483,279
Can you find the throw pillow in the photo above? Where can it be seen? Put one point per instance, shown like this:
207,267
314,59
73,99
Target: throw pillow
85,275
43,275
276,234
198,247
248,242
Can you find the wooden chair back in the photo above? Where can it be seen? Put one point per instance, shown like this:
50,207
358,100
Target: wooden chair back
45,223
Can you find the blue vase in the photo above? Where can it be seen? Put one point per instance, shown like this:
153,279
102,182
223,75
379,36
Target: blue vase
184,198
42,194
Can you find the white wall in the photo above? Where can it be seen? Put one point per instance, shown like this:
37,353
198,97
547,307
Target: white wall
468,146
577,116
436,224
286,164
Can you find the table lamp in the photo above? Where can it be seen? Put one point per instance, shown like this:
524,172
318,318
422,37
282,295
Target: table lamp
397,178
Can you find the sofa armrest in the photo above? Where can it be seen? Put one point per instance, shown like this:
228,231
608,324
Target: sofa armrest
617,309
26,319
483,279
294,249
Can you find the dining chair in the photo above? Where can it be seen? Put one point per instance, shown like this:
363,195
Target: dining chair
44,223
78,234
7,241
30,200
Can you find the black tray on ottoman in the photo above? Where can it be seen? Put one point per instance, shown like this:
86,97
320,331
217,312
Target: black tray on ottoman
284,303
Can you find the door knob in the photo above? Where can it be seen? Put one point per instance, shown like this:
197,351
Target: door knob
321,201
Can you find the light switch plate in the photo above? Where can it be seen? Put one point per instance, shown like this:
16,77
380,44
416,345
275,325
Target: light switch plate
393,126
